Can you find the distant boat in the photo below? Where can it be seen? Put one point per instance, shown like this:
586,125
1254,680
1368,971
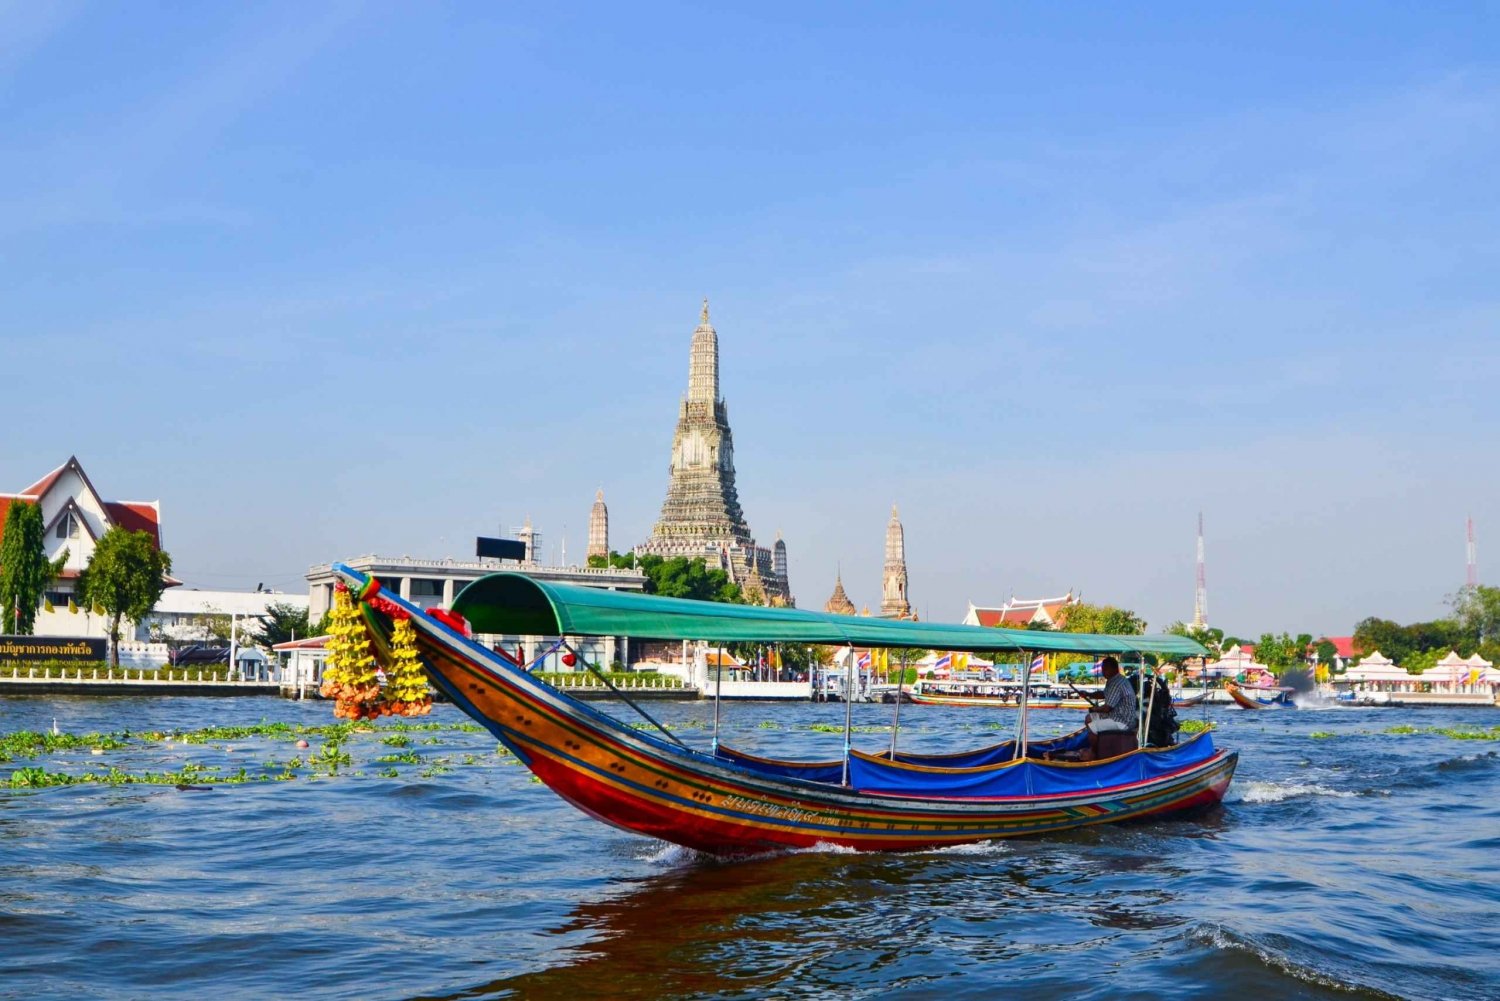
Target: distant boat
1181,701
1246,699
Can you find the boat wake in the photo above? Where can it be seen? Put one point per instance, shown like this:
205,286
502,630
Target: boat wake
1275,792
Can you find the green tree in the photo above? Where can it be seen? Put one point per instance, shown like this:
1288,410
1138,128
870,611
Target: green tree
1086,618
281,623
1477,610
125,576
1205,636
677,577
1327,652
1390,638
1281,653
25,570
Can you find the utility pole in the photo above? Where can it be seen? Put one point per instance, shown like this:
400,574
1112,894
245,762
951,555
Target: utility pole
1200,592
1473,579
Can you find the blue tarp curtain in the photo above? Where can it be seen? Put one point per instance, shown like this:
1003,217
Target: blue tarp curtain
1025,778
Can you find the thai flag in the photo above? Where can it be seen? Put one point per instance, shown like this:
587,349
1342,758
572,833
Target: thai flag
943,663
864,660
1038,663
1096,668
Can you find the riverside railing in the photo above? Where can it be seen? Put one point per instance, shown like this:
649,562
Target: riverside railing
122,676
582,679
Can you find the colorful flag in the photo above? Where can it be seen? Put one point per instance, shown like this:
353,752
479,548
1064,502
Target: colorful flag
1096,669
1038,663
960,662
98,609
864,661
72,606
944,663
47,604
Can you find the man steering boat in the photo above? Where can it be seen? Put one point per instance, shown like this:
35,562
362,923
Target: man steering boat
1116,711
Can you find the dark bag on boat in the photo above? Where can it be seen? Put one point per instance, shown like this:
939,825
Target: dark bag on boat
1161,727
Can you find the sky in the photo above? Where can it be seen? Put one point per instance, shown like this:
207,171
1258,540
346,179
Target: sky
343,278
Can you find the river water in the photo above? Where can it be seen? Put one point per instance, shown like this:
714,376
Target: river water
1349,861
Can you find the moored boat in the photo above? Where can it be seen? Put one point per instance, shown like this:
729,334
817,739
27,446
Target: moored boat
729,802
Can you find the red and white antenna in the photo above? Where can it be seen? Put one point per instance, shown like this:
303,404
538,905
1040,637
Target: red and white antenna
1200,593
1473,556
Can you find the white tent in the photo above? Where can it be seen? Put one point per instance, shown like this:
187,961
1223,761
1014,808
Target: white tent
1377,668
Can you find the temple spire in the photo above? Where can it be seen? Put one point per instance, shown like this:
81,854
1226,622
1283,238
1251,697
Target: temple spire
703,362
893,600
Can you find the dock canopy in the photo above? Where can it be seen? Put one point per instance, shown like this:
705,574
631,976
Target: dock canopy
515,604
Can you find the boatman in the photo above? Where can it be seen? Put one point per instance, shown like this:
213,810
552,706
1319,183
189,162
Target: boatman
1117,711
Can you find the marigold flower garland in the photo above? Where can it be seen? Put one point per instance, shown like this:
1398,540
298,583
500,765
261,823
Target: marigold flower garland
351,676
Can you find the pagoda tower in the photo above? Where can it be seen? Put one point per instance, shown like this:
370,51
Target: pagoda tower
701,516
838,603
599,527
893,602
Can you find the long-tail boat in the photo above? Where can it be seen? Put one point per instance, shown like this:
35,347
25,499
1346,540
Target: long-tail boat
728,802
1245,698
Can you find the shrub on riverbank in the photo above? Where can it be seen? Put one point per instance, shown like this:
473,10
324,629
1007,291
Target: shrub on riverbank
88,669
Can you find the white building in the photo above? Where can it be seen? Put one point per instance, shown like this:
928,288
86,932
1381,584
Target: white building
75,517
192,614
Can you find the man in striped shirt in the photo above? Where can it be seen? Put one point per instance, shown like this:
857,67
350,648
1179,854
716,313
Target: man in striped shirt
1117,712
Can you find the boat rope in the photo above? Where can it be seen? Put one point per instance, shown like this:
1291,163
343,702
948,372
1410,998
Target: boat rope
594,670
537,662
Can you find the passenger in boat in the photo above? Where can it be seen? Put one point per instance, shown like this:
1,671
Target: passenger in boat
1116,712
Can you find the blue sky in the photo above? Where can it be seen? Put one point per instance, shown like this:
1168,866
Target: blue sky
345,278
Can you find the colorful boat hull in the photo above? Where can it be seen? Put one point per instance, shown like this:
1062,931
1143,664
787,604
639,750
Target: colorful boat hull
640,782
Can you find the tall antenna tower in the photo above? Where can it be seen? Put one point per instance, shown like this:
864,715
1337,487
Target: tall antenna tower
1473,556
1200,593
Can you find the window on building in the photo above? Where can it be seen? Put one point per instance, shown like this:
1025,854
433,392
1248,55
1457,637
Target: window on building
67,528
426,587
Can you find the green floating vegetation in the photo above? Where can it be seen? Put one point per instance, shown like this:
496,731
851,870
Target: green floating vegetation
835,728
188,775
403,758
1322,734
30,743
1452,732
396,740
1195,725
769,724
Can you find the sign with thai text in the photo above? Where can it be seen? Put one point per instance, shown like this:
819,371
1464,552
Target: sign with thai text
52,648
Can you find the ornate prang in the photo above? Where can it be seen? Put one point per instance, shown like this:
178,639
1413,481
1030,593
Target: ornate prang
599,527
701,516
893,601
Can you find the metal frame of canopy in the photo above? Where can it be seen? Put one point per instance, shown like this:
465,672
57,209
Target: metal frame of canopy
517,604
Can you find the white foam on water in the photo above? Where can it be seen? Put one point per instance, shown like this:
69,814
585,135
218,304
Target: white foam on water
971,848
1275,792
668,854
825,848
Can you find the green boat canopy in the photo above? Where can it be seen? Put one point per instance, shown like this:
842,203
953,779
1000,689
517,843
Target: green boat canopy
517,605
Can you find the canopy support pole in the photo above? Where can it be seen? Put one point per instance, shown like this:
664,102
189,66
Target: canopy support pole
1023,724
848,711
900,690
594,669
718,686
